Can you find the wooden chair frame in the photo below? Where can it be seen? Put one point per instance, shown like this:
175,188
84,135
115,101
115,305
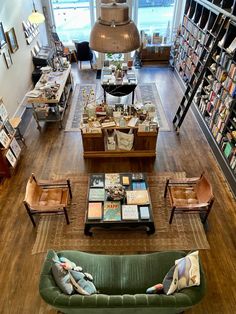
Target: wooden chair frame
190,208
49,209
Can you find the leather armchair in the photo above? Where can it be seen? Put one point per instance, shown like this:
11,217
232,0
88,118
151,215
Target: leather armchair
190,195
47,197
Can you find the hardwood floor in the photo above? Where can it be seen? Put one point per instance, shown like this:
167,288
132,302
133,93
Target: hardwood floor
53,152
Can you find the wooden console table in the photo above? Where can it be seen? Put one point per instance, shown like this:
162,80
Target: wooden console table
94,144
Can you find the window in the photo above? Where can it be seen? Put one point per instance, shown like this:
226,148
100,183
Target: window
73,19
155,19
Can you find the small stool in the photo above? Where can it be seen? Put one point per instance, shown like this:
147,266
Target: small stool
15,122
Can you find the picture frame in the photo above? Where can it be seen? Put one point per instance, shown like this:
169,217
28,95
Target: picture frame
3,40
7,57
11,158
3,111
12,41
15,147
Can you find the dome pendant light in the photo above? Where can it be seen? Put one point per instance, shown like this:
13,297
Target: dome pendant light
35,17
114,31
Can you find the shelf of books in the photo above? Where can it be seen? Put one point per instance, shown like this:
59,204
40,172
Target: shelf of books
118,200
10,149
215,100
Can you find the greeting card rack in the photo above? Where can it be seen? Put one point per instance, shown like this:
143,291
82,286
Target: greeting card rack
10,149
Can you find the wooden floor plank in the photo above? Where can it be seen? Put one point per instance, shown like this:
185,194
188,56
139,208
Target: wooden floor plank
53,152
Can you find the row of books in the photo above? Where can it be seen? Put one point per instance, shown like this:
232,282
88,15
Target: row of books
134,197
114,211
112,179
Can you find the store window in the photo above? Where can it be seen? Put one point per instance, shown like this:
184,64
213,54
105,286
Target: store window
73,19
155,20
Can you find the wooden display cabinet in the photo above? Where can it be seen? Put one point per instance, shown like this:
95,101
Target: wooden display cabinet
95,144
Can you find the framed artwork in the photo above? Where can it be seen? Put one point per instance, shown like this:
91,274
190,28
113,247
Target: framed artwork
4,139
3,111
2,36
11,158
9,128
15,147
7,58
11,39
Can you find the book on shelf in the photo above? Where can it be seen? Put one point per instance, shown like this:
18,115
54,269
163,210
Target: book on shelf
139,185
112,211
97,181
11,158
227,149
95,210
4,139
137,197
15,147
144,212
130,212
96,194
111,179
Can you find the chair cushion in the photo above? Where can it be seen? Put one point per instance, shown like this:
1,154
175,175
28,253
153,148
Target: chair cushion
183,196
53,197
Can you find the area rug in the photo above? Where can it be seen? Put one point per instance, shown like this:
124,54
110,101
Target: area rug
143,93
185,233
76,108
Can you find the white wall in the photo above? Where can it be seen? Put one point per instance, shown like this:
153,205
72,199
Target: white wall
16,81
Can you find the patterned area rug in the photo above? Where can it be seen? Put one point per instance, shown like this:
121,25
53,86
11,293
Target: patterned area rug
143,92
185,233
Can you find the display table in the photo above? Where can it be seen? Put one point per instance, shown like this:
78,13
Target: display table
95,144
52,109
120,86
120,213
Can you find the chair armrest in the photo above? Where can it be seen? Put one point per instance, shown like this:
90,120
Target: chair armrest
183,181
192,206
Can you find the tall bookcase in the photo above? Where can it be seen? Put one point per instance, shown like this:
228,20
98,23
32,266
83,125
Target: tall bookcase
214,104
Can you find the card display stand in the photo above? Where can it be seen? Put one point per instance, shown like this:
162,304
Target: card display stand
212,89
10,149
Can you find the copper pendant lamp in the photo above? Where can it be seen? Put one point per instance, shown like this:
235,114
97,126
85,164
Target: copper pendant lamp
114,31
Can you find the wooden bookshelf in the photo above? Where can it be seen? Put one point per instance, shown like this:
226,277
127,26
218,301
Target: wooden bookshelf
214,103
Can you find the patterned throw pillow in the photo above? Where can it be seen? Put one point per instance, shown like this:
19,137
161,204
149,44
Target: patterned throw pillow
185,273
188,271
170,282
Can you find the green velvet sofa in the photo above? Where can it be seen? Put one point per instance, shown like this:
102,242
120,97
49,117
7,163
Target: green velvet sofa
122,281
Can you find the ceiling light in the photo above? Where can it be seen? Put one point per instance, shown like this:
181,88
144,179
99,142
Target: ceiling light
114,31
36,17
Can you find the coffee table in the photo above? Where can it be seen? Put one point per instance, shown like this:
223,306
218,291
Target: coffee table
110,213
